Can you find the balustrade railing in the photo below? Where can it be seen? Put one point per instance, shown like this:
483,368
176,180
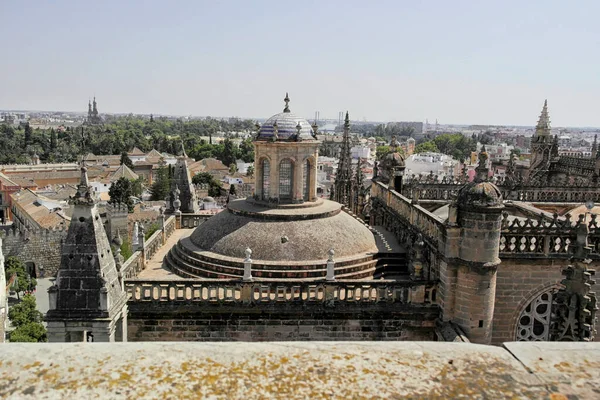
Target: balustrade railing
169,227
415,217
152,245
132,266
260,292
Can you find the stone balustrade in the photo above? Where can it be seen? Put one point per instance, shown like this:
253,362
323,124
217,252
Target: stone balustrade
431,189
169,227
132,266
152,245
414,217
254,292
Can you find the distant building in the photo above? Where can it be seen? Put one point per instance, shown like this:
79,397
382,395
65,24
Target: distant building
93,118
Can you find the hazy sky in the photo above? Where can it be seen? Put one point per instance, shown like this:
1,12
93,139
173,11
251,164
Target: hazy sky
488,62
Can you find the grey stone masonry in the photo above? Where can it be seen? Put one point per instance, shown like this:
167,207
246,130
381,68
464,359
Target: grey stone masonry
88,285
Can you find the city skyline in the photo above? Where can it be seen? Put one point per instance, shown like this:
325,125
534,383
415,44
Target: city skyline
460,63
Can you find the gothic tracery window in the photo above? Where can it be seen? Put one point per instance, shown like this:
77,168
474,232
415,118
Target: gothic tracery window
285,179
534,322
266,171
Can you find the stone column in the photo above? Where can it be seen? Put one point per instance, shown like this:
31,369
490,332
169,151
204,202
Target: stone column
298,183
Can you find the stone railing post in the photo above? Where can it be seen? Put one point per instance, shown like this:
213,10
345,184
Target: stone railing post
247,266
330,266
142,244
162,226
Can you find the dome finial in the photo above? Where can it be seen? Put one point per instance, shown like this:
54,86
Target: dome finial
482,168
287,101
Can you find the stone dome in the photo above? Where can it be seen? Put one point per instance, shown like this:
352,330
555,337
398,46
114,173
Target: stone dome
479,194
283,235
288,242
286,127
208,199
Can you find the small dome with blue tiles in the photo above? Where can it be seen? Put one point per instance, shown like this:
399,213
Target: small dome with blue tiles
286,126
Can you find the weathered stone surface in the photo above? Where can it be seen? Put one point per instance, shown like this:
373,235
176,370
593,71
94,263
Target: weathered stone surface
298,370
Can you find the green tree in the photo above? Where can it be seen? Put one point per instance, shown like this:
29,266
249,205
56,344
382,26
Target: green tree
246,150
214,186
232,168
232,190
381,151
24,312
137,187
162,186
426,147
27,320
228,156
250,171
121,192
53,140
23,281
28,134
126,160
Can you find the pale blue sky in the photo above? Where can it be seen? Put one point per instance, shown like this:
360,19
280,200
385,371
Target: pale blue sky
488,62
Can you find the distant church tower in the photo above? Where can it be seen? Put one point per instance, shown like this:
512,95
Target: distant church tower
93,117
88,301
541,146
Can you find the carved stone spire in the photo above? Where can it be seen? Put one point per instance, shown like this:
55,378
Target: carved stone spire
575,304
87,294
595,147
287,105
343,175
543,126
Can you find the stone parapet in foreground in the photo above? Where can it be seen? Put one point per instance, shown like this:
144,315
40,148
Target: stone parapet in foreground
299,370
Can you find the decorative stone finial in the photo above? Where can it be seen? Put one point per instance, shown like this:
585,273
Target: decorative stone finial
347,121
315,129
247,265
482,169
330,272
287,105
298,129
394,144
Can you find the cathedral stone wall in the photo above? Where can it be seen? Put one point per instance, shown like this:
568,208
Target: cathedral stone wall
42,248
280,322
517,283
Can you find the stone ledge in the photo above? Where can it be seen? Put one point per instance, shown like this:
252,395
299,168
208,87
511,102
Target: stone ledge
299,370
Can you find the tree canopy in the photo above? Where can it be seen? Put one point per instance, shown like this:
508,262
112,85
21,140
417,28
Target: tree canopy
214,186
121,191
27,321
120,134
23,282
452,144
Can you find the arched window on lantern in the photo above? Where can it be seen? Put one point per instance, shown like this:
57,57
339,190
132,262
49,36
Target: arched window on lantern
266,171
286,173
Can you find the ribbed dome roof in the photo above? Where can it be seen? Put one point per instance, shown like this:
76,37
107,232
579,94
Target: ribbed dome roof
479,194
287,124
